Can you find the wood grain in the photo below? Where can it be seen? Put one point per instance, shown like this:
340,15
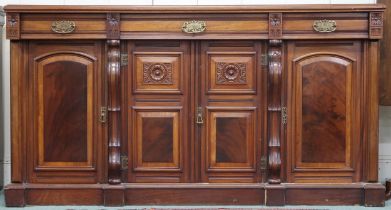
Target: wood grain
18,110
199,9
114,111
158,100
50,94
385,58
230,82
324,124
195,193
250,23
65,132
324,82
274,109
241,113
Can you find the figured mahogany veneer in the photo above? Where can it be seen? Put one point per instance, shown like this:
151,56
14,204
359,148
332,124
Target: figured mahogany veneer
238,105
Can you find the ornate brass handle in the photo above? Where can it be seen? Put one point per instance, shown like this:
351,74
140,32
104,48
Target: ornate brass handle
63,26
325,26
194,26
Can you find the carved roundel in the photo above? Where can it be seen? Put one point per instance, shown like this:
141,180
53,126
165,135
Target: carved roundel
157,73
231,73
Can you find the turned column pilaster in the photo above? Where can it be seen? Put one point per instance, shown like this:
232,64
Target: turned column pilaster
274,111
114,111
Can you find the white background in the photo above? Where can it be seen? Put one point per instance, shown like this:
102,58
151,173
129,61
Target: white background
385,112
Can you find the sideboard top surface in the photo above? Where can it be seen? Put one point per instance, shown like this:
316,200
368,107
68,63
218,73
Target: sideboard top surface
195,9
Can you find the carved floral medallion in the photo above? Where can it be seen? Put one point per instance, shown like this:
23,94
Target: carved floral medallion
376,19
157,73
275,25
231,73
13,24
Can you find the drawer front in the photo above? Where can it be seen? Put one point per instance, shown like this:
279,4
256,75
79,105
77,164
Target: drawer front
63,26
247,26
325,25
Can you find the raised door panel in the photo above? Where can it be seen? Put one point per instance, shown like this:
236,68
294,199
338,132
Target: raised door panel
157,140
65,111
158,73
158,94
65,95
230,139
231,73
324,83
324,96
233,95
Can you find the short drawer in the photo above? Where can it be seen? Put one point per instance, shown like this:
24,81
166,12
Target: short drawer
83,26
325,25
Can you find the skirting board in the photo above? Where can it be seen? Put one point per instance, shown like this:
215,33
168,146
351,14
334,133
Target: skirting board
367,194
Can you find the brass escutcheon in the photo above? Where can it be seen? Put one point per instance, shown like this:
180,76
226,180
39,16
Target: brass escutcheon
63,26
194,26
325,26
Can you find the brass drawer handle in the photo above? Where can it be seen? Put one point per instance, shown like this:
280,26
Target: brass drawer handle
194,26
325,26
63,26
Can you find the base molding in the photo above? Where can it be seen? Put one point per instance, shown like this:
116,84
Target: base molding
367,194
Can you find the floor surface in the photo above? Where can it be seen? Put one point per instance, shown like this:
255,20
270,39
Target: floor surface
2,206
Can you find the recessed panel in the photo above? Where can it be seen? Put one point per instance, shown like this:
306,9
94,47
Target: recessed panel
324,99
157,138
65,112
324,108
231,144
230,74
157,73
231,139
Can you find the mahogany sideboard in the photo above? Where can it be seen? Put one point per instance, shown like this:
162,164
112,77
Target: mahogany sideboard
182,105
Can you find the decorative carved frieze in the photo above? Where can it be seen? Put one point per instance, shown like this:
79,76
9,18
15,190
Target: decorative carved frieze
113,26
231,73
157,73
13,26
275,25
376,21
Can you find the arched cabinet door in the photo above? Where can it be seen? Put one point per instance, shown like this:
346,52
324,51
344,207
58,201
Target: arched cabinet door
65,93
323,109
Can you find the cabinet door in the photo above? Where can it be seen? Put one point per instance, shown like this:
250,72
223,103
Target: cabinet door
158,100
324,128
232,93
64,91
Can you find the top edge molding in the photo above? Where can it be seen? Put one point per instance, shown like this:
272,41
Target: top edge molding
194,9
